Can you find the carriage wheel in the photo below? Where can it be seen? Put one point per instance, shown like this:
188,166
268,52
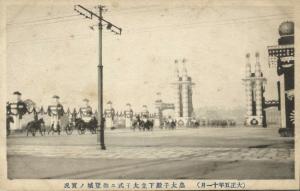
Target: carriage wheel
93,130
58,129
81,129
69,129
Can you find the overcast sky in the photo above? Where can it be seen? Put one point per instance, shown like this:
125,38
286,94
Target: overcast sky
51,51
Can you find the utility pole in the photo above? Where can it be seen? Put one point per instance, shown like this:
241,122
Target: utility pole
89,14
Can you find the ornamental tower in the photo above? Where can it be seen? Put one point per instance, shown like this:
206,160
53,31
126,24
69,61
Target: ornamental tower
254,93
183,95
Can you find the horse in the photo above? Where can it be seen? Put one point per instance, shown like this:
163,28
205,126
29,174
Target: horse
170,124
147,125
92,125
195,123
82,126
36,125
136,123
9,119
173,124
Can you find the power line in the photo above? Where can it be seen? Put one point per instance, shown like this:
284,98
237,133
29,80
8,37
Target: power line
72,36
204,23
43,23
39,20
215,21
45,40
190,25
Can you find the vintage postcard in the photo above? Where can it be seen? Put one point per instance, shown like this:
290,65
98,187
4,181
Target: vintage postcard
149,95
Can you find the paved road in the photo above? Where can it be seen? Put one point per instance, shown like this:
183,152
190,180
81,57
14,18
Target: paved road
183,153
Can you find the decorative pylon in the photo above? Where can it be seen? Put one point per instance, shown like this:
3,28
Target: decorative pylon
254,93
183,105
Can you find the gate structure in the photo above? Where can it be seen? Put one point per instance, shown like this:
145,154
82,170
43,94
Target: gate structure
281,56
255,100
160,106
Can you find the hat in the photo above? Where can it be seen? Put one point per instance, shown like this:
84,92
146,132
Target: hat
85,99
17,93
55,96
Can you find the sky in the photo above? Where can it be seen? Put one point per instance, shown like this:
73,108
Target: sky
52,50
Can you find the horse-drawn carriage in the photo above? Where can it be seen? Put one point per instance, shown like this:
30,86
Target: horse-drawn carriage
74,123
142,124
81,125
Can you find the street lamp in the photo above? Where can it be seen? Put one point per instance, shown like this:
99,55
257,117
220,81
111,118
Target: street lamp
89,14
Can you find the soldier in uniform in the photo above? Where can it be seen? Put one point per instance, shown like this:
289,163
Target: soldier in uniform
86,111
17,109
55,111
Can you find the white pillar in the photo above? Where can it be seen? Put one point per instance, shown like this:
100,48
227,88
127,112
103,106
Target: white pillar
109,115
128,116
258,87
185,102
248,86
248,97
185,93
145,111
17,124
177,91
158,118
14,108
282,102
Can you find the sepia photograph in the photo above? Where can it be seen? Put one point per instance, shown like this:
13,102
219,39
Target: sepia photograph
149,95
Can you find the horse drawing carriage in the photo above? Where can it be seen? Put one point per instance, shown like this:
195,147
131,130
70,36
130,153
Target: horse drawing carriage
194,123
169,123
81,124
37,125
142,124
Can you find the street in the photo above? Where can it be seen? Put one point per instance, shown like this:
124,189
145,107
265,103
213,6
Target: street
203,153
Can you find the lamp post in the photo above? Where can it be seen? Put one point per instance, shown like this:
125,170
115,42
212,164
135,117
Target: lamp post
89,14
100,84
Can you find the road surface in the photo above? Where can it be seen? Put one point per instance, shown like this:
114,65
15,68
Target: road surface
204,153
